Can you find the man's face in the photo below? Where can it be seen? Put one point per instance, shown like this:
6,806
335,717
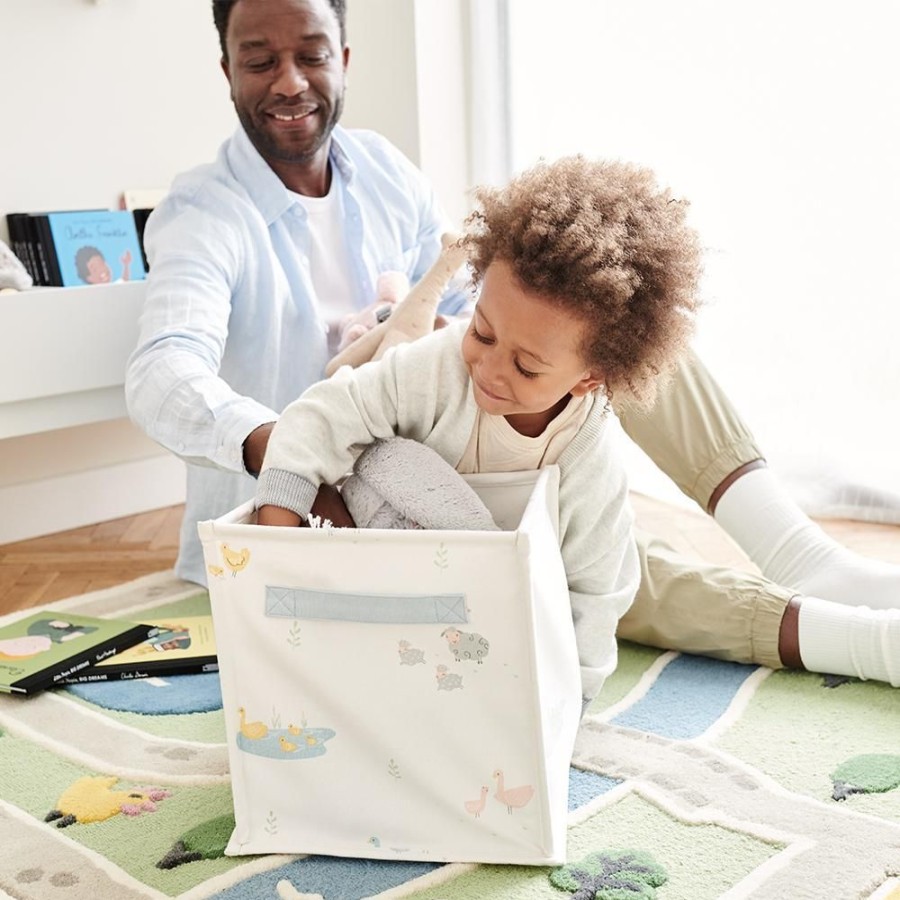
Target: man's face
286,67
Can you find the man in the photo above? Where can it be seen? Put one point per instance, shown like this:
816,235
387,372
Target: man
258,256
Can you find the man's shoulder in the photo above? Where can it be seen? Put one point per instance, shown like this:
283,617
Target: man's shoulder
210,183
366,140
373,154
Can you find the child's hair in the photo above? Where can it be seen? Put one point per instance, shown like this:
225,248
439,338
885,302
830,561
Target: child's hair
602,240
84,255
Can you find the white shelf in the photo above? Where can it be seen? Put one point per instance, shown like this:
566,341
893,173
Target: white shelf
63,353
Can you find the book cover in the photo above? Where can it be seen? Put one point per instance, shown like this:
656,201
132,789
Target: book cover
96,247
40,650
183,645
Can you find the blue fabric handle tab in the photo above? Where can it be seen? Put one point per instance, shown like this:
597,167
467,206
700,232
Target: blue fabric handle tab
408,609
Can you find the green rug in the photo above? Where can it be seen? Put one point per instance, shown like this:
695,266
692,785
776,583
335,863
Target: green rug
692,779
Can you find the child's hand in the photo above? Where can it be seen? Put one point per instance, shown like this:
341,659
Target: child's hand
275,515
329,504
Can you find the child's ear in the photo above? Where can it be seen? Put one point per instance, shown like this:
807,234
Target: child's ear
590,382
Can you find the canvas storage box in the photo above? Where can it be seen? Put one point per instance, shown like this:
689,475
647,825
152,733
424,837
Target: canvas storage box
399,694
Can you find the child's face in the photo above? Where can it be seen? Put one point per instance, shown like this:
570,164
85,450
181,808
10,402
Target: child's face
98,271
523,353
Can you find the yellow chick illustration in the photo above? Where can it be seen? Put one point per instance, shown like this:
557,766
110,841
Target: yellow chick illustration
235,560
286,745
310,740
293,729
215,571
253,731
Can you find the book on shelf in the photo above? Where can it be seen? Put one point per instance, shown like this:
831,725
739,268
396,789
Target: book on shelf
179,645
78,247
95,247
40,650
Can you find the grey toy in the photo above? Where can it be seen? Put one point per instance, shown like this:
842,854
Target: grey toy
399,483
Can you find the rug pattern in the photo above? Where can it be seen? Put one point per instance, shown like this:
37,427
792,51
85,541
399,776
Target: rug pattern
691,779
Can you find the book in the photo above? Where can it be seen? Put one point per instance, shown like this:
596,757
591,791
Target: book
20,240
179,645
94,247
42,649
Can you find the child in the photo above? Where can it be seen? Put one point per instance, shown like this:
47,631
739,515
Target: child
92,267
588,289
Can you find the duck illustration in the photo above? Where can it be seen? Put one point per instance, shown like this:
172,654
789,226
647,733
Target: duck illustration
253,731
511,798
311,740
234,559
294,729
476,807
286,745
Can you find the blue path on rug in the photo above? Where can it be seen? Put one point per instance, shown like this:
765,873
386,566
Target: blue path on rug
673,708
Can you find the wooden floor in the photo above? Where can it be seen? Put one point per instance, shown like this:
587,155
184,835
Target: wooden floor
98,556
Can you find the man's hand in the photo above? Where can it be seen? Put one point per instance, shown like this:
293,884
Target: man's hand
255,448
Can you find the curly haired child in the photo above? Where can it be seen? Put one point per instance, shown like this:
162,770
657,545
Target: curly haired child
588,274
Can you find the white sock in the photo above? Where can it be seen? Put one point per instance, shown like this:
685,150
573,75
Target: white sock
850,640
791,550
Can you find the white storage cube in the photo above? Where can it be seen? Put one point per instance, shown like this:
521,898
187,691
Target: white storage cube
399,694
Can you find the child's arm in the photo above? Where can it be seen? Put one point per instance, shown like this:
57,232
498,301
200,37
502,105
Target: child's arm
418,391
126,265
328,506
599,553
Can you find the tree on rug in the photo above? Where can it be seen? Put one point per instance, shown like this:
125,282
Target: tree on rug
611,875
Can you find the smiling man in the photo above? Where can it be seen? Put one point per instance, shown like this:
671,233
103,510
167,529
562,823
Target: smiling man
256,258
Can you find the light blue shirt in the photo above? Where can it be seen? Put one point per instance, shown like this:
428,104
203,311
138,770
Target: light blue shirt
230,332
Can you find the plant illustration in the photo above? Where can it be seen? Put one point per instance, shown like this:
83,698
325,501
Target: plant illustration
293,637
611,875
871,773
441,557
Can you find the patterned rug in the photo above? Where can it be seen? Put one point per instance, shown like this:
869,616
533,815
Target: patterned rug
691,779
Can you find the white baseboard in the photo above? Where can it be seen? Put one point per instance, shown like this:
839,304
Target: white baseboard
84,498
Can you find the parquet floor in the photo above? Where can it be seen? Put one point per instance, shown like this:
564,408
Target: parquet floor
86,559
99,556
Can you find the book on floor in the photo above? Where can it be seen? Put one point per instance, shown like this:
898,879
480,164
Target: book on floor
177,645
40,650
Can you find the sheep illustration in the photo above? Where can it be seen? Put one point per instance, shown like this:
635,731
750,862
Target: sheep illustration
409,655
447,680
466,644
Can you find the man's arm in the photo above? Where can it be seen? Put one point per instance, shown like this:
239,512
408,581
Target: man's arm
173,388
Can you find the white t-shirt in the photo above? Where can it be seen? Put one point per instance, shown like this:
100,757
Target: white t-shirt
495,446
329,260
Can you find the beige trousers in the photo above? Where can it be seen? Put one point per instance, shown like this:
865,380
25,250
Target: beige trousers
696,437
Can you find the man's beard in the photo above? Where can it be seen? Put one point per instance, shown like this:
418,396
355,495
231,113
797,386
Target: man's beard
271,149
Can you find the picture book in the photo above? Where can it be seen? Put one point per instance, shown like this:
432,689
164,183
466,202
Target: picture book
95,247
182,645
42,649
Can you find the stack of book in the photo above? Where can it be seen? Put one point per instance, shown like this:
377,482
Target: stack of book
52,648
62,249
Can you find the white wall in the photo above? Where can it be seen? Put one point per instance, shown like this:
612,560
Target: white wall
779,121
99,97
